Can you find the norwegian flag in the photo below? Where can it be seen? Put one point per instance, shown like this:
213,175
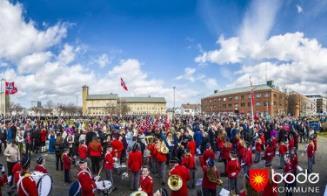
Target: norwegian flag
123,84
10,88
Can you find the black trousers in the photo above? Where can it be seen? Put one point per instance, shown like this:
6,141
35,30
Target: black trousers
58,161
209,192
95,164
10,165
67,175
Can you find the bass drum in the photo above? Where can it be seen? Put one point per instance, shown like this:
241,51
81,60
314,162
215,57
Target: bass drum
43,182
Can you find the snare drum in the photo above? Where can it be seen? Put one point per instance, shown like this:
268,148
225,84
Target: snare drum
103,185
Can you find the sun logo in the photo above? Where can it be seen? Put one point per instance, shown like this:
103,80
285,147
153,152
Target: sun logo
259,179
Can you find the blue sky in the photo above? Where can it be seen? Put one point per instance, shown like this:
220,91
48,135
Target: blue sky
168,43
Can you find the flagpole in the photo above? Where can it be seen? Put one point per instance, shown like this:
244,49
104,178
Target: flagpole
1,97
251,99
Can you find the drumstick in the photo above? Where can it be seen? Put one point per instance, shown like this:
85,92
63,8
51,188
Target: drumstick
100,171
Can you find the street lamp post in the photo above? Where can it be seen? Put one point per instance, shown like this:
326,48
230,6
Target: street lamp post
174,88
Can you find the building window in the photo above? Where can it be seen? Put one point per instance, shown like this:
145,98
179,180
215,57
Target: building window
224,99
258,95
230,98
230,105
249,104
266,94
242,97
258,104
236,97
242,104
224,105
265,103
236,105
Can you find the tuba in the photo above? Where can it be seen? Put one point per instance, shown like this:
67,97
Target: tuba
175,182
138,193
212,176
162,148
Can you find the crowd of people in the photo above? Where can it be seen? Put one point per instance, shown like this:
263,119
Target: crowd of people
153,149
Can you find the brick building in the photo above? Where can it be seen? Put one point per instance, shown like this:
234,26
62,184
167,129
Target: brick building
267,99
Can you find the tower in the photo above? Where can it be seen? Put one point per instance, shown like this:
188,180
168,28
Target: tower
85,94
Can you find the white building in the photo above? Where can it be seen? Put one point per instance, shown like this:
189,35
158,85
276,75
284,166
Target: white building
320,103
190,109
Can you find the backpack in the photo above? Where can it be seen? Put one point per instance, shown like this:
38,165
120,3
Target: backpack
75,189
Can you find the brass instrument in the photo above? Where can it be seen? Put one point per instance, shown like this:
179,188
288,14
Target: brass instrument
149,139
212,176
139,193
162,148
175,182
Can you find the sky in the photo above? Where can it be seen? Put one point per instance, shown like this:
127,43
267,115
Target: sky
50,49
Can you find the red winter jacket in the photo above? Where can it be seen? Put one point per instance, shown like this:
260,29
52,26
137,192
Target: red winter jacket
82,151
184,173
135,161
67,162
108,161
146,184
189,161
191,145
310,150
233,168
29,185
282,149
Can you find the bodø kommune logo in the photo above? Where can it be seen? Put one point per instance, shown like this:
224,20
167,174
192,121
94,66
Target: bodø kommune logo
259,178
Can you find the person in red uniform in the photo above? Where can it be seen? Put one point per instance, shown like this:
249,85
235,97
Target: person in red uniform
191,145
43,138
26,186
188,160
95,151
16,172
233,169
211,178
288,169
181,171
225,154
282,152
39,167
82,150
258,150
247,160
161,159
117,147
152,161
208,153
108,165
3,178
315,147
86,180
134,165
67,163
310,155
269,154
146,182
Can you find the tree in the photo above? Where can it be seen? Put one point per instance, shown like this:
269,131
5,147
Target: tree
15,107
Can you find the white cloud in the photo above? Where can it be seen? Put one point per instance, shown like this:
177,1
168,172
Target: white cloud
187,75
31,63
19,37
103,60
299,9
291,59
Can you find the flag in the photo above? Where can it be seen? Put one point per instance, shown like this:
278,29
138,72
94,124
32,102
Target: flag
123,84
10,88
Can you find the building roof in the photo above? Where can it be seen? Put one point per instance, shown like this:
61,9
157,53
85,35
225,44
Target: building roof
144,99
102,96
191,106
242,90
